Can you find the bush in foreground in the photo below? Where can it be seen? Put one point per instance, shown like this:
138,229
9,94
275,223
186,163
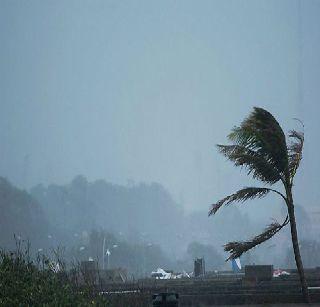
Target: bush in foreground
26,282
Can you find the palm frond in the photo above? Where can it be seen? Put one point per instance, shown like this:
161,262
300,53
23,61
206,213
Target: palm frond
236,249
261,133
295,151
253,161
240,196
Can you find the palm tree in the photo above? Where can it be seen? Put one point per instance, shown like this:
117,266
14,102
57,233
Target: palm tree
259,145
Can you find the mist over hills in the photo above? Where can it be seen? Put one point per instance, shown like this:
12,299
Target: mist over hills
21,215
143,213
144,227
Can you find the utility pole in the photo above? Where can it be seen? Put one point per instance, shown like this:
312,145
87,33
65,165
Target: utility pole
103,252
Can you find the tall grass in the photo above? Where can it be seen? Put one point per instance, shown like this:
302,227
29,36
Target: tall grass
40,281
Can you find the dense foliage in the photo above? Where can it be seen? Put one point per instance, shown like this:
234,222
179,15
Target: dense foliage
26,282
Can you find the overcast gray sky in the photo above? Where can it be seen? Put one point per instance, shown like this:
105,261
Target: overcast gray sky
143,90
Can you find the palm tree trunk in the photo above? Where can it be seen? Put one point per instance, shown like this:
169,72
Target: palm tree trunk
296,250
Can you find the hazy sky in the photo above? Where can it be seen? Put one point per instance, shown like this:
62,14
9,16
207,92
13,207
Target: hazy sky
143,90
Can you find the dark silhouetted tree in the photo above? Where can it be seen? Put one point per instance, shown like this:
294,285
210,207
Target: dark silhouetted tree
259,144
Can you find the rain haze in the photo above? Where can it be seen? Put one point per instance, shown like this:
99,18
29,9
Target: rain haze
138,93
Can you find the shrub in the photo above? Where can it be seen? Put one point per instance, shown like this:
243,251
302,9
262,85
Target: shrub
27,282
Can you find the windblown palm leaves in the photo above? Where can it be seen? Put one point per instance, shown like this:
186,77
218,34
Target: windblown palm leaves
240,196
295,152
259,145
236,249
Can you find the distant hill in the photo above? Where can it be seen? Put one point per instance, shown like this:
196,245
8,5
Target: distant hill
142,220
142,213
21,215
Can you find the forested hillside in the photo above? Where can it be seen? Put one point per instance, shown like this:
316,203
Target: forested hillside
21,216
142,225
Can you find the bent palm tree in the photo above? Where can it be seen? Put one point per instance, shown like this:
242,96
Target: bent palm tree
259,144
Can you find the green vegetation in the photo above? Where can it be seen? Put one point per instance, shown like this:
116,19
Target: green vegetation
26,282
259,144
